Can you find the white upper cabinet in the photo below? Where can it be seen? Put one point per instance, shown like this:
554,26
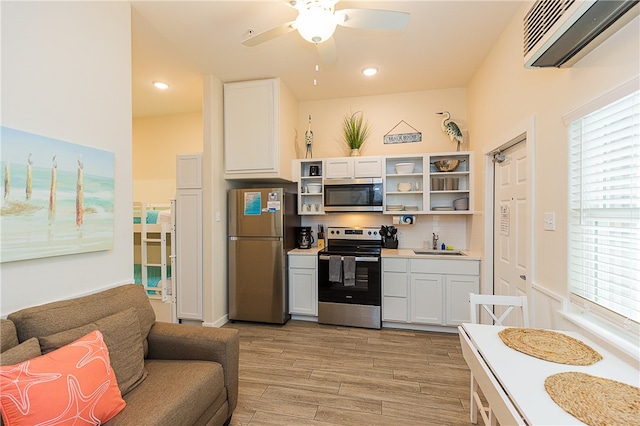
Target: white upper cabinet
259,130
450,192
353,167
189,171
367,167
339,168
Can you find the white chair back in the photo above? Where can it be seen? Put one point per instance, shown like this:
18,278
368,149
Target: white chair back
489,301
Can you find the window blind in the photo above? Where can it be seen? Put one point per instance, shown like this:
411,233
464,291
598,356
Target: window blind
604,209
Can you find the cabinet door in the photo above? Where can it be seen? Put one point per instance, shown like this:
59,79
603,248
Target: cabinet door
188,171
457,297
339,168
303,292
427,305
367,167
394,309
188,262
250,130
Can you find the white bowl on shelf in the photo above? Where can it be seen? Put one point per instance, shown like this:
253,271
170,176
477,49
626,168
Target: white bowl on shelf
404,168
314,188
404,186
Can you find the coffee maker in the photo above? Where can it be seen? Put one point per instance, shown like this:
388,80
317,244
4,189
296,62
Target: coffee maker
305,238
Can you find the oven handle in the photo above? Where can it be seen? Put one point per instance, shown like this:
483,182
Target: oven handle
358,259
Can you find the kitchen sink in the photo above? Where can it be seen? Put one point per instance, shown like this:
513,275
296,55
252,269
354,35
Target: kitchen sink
439,252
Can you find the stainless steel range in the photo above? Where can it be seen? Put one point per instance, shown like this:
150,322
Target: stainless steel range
349,278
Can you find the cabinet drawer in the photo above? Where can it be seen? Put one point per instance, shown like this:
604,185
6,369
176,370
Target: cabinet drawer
394,284
308,262
394,309
394,265
445,266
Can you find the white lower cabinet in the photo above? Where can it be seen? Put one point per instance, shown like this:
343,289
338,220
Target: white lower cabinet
394,290
428,291
458,288
426,299
303,285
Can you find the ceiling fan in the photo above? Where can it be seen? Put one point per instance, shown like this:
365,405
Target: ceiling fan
317,20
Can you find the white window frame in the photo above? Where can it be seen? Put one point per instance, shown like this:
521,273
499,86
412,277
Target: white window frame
579,303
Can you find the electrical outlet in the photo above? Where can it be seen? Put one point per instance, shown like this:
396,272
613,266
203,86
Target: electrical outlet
550,221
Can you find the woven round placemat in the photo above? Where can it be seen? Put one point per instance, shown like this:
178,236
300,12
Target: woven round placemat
595,400
549,345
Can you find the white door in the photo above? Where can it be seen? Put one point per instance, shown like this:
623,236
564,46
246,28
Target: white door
511,225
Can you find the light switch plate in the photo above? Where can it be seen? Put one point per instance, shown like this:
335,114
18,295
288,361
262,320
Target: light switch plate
549,221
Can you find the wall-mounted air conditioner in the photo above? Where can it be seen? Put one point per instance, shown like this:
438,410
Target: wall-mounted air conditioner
557,33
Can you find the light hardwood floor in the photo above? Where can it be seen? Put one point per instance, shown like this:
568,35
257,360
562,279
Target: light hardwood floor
305,373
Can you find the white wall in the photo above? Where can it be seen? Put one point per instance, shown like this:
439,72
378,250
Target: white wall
384,112
502,94
156,142
66,74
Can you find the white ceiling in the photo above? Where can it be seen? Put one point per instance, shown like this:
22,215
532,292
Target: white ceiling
179,41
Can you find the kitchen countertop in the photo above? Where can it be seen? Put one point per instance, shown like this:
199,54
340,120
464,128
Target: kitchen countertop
313,251
409,254
403,253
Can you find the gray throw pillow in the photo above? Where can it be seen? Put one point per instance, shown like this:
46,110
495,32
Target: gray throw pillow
26,350
121,333
8,335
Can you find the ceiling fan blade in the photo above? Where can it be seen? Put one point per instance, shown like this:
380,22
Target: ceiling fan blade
327,51
373,19
269,34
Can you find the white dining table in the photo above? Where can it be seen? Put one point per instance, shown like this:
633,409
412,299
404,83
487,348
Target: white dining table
513,382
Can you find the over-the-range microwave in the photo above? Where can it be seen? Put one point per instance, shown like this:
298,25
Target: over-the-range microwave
353,195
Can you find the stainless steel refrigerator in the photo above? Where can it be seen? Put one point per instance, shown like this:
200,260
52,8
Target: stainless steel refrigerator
262,229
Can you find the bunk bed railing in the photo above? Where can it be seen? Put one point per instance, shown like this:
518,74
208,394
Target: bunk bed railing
163,290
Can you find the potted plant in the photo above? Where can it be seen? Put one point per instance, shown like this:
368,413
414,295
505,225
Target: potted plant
355,131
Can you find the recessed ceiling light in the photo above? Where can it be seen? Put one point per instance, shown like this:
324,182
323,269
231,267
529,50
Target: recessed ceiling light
369,71
161,85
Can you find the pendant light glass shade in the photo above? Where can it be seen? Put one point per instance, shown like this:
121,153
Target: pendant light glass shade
316,25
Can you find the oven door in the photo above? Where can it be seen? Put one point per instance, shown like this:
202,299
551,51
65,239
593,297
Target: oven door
366,291
353,195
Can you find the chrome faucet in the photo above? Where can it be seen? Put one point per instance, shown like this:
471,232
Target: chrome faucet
435,241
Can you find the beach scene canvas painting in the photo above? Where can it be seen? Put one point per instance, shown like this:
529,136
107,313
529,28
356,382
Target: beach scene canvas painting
57,197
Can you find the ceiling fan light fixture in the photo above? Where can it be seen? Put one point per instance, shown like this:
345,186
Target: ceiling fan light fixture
316,25
370,71
160,85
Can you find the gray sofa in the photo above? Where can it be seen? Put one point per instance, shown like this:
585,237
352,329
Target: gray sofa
168,374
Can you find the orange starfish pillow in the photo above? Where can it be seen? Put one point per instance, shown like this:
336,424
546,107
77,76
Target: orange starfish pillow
71,385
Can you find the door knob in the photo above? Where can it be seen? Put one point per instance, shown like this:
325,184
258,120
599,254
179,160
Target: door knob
523,277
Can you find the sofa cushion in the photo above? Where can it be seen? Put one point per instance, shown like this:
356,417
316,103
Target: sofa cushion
174,393
122,336
8,335
74,382
52,318
22,352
